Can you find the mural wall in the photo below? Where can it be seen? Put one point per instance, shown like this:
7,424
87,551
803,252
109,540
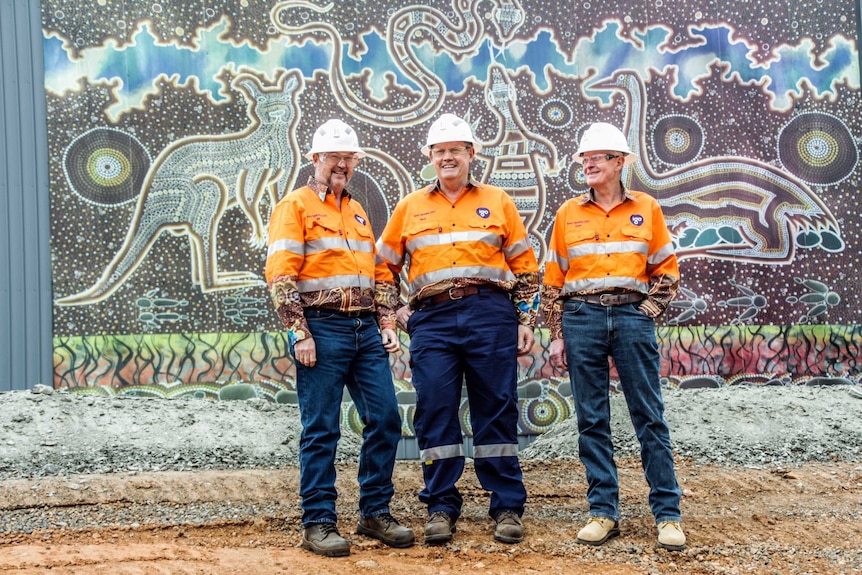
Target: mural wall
175,126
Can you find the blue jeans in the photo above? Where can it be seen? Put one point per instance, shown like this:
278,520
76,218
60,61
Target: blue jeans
592,333
349,352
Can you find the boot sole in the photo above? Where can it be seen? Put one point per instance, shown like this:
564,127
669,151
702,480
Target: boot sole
309,546
390,542
672,547
503,539
611,534
440,538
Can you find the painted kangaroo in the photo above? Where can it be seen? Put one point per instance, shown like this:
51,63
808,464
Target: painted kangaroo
195,180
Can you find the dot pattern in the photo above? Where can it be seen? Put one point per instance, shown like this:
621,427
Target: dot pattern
95,158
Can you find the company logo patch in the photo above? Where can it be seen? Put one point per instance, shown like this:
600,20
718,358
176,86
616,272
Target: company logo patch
483,213
637,219
360,219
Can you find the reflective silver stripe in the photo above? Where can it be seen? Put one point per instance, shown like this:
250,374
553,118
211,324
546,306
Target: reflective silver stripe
453,237
333,282
495,450
594,249
517,248
665,252
480,272
555,257
324,244
441,452
593,284
388,254
286,246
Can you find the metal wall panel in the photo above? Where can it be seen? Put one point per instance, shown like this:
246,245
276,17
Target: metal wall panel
25,272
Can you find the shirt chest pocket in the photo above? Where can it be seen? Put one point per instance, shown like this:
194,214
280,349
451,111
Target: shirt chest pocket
361,237
423,227
580,234
642,232
317,228
493,223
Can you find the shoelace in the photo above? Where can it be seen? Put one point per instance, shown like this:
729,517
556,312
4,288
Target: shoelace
438,515
327,529
507,515
387,519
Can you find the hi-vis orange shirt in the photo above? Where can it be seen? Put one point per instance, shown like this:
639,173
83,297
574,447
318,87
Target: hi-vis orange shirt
320,256
480,238
628,248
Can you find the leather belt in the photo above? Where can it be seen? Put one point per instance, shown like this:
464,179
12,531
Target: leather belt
609,299
456,293
318,311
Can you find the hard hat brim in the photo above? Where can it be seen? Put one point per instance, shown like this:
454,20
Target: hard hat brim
629,157
477,147
359,153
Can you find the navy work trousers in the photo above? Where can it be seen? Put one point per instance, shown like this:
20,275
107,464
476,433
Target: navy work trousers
473,342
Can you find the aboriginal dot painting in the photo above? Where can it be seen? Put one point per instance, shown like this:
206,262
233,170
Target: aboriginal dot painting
175,126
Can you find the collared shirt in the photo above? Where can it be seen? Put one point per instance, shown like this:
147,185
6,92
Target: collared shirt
625,249
324,257
479,238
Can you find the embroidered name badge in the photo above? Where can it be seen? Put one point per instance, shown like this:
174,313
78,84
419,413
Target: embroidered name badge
483,213
360,219
637,220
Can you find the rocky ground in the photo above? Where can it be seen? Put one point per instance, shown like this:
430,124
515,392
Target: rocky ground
772,481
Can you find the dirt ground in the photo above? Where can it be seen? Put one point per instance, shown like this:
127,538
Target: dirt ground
807,519
771,479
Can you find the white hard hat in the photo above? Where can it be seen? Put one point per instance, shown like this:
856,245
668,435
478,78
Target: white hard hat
334,136
602,136
450,128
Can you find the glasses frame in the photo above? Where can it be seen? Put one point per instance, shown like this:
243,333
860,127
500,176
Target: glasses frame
328,157
598,158
454,150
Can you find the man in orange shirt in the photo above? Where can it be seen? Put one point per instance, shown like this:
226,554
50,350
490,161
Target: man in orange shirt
336,304
473,300
610,271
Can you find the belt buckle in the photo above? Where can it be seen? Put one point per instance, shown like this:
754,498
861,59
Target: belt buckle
607,303
452,295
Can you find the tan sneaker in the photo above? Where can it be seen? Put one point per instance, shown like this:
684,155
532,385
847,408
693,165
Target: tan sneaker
387,529
598,530
670,536
509,528
439,528
324,539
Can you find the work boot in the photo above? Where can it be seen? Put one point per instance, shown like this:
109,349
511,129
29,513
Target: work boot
509,528
387,529
670,536
439,528
324,539
598,530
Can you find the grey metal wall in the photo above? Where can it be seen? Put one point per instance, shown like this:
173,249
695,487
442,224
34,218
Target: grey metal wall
25,272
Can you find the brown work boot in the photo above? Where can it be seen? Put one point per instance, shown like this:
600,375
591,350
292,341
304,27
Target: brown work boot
387,529
324,539
670,536
439,528
598,530
509,528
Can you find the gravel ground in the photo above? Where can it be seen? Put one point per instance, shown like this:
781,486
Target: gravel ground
739,425
770,475
44,433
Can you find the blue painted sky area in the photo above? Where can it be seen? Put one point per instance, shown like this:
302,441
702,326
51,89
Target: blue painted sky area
138,65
